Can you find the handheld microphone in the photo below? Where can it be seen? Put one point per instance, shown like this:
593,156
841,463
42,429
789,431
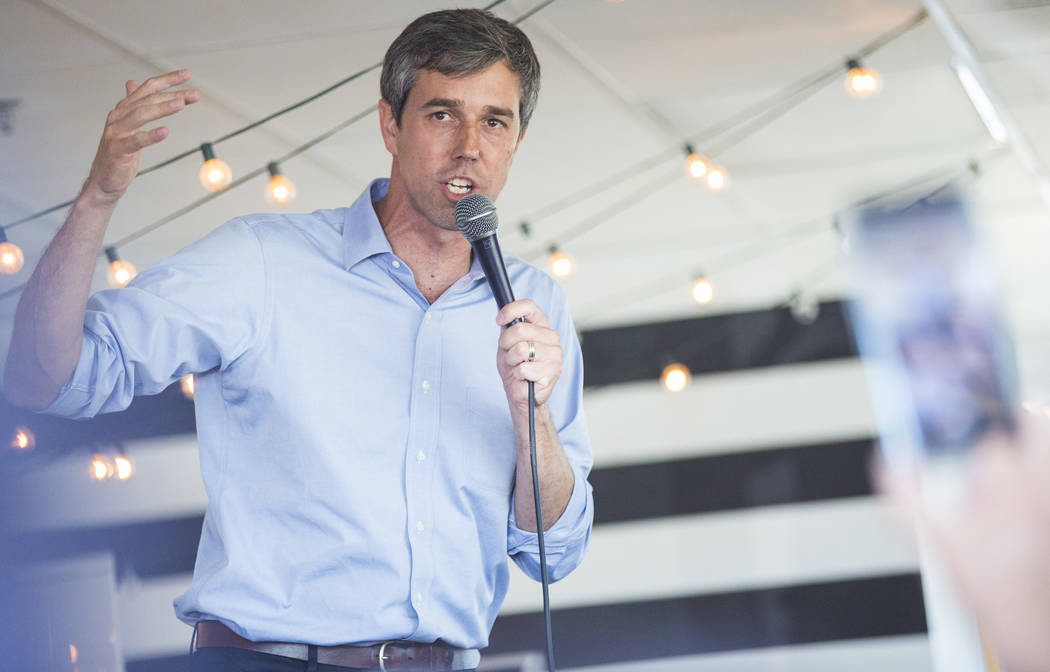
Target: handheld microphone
476,220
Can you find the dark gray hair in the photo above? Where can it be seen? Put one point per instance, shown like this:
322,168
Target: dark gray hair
457,42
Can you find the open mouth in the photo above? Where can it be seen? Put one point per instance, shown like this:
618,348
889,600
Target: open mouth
459,186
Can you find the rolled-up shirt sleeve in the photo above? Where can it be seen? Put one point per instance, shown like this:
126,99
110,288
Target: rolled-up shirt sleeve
566,541
199,309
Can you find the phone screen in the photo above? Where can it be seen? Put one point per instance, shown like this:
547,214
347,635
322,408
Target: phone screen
927,318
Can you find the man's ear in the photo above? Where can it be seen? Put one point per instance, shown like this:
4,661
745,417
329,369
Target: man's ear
388,127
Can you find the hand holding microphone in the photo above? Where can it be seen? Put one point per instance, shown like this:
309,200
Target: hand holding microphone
529,349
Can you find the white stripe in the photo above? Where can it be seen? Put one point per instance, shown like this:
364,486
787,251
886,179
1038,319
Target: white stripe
745,410
165,483
736,550
909,653
146,617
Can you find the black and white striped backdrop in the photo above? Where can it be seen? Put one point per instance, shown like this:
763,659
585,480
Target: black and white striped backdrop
735,526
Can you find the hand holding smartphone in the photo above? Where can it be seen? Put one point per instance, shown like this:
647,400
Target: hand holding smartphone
926,313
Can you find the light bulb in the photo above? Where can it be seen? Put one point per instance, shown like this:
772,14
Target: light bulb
11,258
675,377
123,467
717,178
280,191
23,439
861,82
101,467
697,165
186,383
120,273
703,291
215,173
561,263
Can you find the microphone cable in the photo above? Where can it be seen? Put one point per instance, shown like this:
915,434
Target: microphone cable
539,526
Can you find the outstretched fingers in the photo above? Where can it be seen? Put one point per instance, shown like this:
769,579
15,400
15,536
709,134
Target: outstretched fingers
154,84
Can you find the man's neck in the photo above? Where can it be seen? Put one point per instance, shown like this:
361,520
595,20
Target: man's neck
437,257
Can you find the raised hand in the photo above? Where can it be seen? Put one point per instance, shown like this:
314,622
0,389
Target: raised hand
119,150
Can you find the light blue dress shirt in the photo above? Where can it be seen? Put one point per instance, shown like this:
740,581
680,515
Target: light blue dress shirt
355,440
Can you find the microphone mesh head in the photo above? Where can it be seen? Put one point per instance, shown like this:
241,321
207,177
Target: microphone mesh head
476,217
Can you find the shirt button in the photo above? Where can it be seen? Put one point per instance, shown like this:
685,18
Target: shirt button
395,263
419,597
419,526
426,385
426,317
420,456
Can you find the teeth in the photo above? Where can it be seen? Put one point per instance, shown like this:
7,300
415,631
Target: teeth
459,185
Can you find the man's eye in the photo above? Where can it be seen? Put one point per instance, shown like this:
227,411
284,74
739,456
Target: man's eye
495,123
441,116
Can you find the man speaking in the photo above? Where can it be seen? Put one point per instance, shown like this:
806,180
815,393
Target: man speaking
366,462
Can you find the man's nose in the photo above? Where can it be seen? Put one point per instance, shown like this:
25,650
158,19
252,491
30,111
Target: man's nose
468,143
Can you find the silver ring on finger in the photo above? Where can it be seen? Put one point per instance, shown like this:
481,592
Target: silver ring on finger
532,351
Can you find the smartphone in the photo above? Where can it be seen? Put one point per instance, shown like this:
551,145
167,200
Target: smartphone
926,313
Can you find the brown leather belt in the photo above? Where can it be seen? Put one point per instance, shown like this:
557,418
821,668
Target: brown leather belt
386,657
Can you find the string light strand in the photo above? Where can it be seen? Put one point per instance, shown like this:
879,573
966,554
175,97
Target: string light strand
647,189
797,233
752,118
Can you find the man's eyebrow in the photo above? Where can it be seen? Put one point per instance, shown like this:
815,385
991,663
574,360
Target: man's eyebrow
453,103
499,111
442,102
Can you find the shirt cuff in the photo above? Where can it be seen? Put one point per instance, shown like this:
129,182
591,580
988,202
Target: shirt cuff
561,533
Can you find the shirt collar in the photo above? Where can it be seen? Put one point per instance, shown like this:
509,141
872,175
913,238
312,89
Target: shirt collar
476,272
363,235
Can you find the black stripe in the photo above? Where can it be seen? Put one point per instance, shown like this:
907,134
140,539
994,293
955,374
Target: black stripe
800,614
705,484
700,624
149,549
715,344
732,481
166,414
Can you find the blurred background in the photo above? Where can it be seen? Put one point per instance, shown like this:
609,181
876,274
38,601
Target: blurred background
735,527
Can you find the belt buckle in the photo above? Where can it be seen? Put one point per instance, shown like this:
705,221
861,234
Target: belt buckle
384,656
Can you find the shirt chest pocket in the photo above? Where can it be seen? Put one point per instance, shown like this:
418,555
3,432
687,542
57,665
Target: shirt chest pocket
487,454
